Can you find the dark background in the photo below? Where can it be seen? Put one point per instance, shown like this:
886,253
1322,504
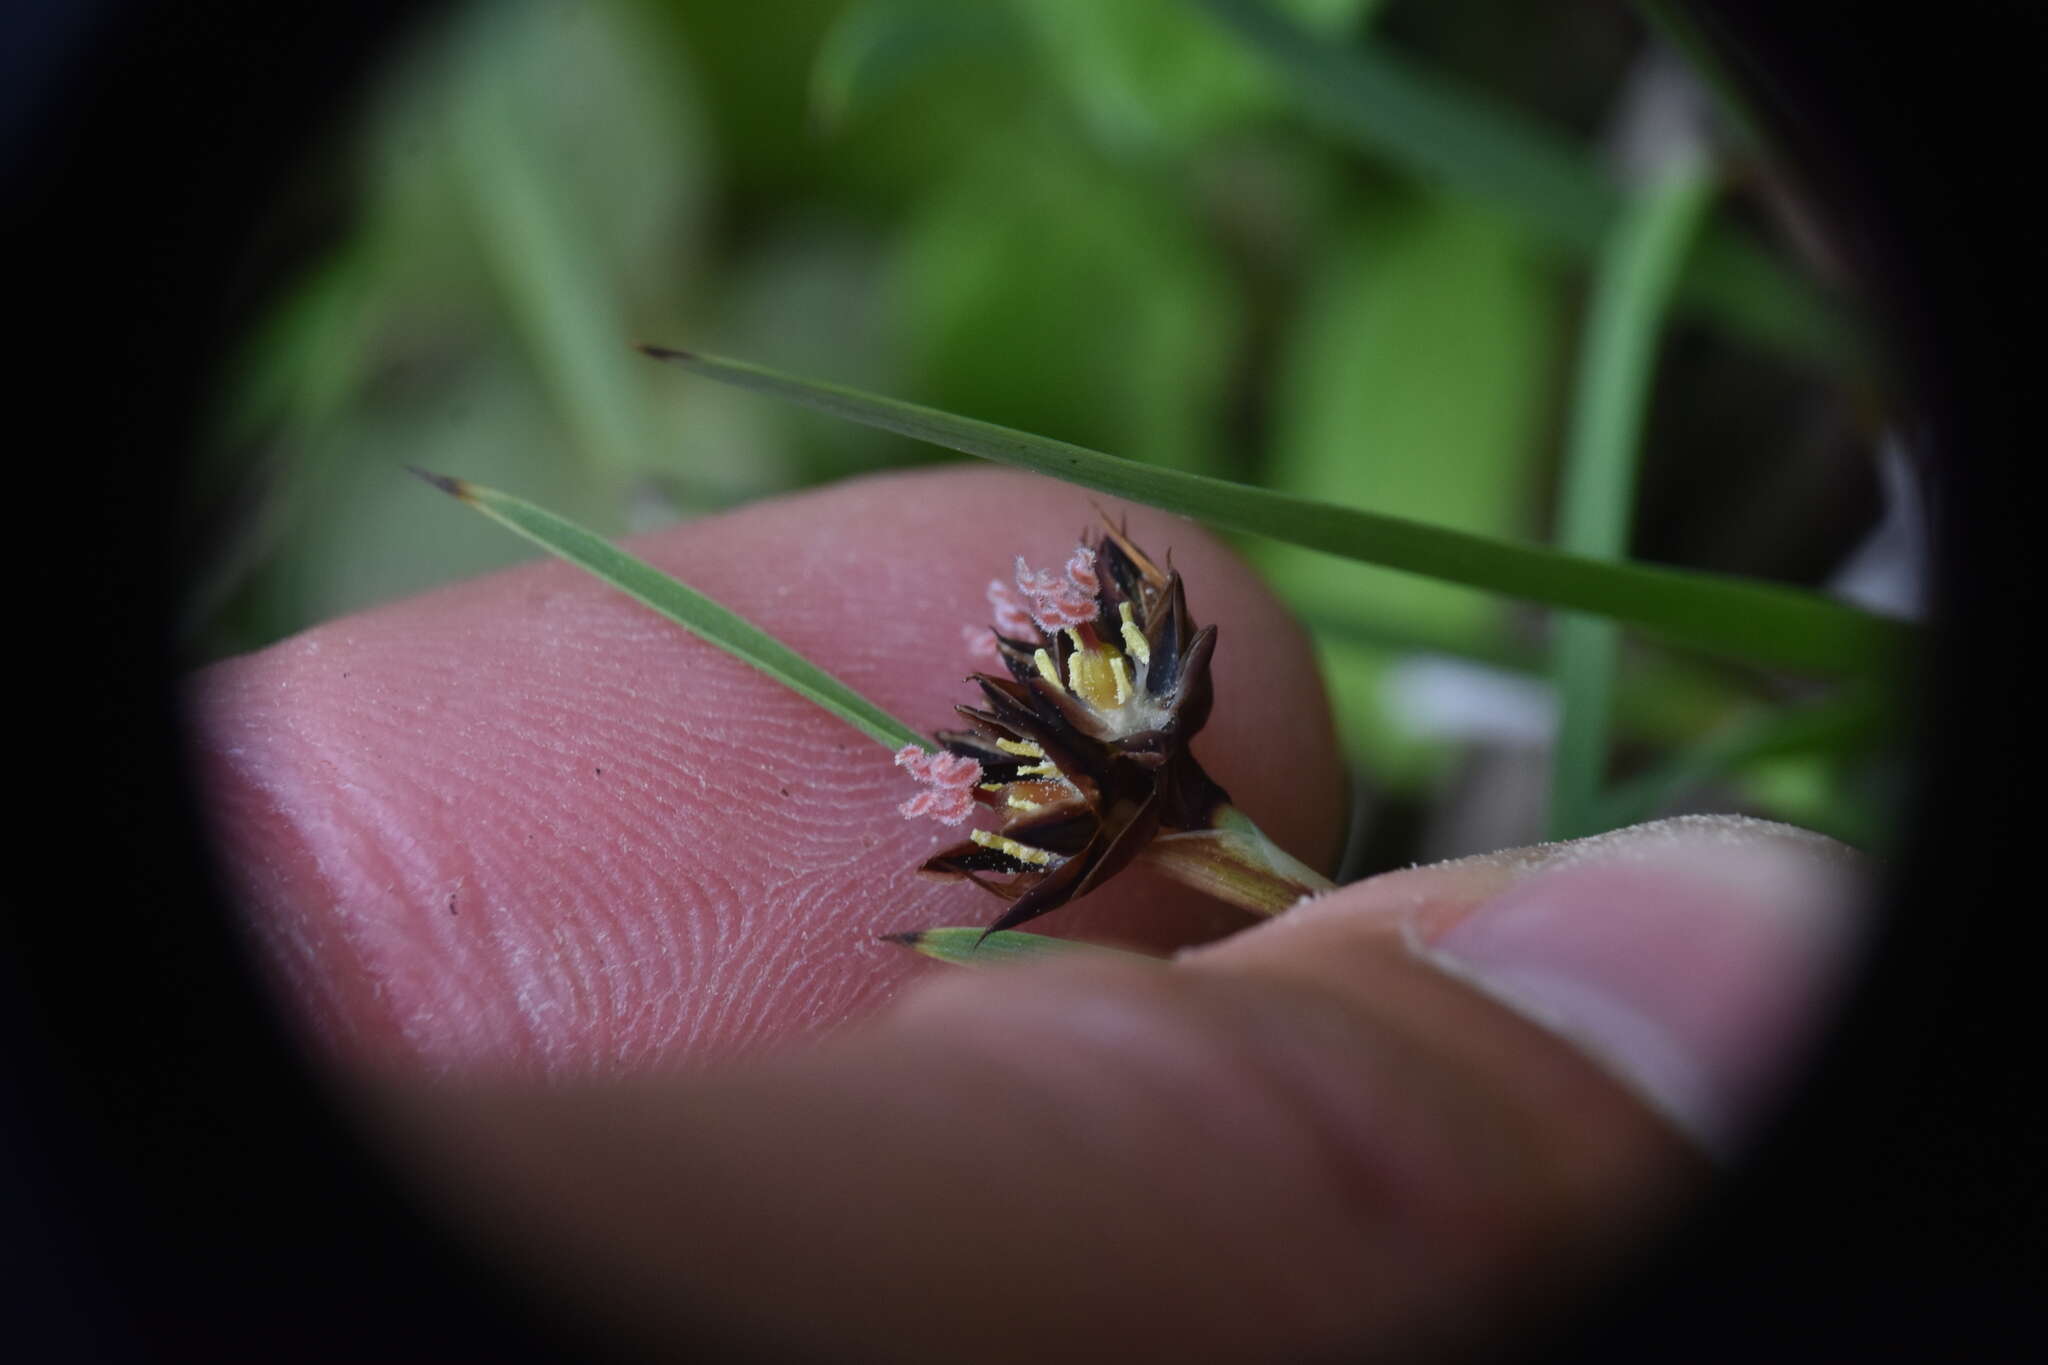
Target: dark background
184,1192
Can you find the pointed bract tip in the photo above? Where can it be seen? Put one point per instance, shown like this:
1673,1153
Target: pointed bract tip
648,348
455,488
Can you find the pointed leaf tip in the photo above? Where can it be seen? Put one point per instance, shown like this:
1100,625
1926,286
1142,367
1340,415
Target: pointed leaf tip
648,348
455,488
973,946
1754,619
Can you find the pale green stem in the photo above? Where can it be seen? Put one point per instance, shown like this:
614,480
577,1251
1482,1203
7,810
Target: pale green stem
1234,861
1632,287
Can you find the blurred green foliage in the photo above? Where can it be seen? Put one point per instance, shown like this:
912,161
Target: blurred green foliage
1100,220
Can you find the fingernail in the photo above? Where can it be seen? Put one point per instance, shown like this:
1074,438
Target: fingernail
1694,959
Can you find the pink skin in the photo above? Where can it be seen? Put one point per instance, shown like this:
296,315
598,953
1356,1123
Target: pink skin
523,821
522,826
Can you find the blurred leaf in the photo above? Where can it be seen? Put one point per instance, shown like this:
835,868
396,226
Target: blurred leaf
1466,141
904,94
753,62
686,607
1413,384
372,538
1819,792
1850,722
1149,73
875,47
1052,293
1764,622
547,183
815,287
265,462
970,947
534,162
605,120
1632,285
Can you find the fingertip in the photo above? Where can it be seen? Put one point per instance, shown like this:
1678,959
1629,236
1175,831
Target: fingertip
1089,1161
525,817
1694,959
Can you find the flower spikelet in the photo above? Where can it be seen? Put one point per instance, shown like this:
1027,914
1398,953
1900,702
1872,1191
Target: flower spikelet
1081,744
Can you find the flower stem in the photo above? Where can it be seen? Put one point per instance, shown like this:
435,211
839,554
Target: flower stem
1234,861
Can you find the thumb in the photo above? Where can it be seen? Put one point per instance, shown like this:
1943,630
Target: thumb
1416,1113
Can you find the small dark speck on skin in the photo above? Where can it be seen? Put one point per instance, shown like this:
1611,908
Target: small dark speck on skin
785,791
600,772
451,904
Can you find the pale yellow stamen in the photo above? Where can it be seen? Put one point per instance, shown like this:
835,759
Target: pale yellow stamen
1023,748
1023,853
1046,669
1135,644
1123,679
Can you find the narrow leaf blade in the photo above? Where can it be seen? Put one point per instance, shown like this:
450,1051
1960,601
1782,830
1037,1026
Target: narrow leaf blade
683,605
1632,285
1743,618
966,946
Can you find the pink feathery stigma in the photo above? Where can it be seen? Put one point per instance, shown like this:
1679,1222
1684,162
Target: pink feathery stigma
951,779
1081,570
1057,602
1010,615
981,644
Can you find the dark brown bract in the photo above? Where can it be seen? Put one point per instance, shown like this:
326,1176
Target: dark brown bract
1083,748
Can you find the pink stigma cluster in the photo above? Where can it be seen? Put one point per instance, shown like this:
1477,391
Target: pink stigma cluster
1012,618
950,778
1042,603
1058,602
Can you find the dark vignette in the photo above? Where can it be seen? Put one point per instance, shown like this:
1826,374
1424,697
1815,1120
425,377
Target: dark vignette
1899,1210
186,1192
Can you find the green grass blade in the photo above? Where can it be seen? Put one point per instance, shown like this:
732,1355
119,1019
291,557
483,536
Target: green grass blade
562,309
1631,288
967,947
685,606
1743,618
1471,144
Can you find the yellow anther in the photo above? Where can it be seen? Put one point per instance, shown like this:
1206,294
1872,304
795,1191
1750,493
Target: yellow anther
1134,639
1025,803
1023,853
1089,673
1040,770
1123,679
1046,670
1023,748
